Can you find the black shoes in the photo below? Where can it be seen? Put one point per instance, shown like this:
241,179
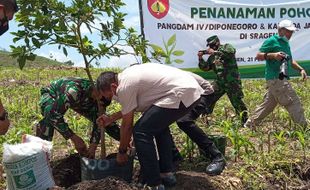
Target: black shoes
216,167
218,163
167,180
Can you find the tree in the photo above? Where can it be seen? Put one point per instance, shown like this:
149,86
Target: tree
69,63
50,22
60,22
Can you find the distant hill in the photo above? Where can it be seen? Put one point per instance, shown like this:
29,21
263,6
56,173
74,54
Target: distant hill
8,61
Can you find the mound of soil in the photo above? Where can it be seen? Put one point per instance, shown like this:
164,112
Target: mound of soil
194,180
67,171
67,174
109,183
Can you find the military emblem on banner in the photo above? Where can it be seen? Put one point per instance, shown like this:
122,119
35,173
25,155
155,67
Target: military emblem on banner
158,8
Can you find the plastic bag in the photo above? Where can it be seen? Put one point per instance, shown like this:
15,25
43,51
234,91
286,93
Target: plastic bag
27,164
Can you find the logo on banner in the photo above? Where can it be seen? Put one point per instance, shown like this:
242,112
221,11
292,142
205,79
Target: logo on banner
158,8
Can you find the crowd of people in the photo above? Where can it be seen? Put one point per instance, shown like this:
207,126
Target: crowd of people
164,95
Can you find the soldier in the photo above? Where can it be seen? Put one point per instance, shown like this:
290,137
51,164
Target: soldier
222,61
79,95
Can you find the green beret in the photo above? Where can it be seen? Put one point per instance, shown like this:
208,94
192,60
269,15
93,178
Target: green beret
212,40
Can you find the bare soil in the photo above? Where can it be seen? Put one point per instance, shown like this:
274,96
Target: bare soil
67,175
109,183
67,171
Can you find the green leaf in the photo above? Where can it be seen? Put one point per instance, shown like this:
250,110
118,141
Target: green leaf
16,39
88,27
179,61
171,40
16,51
36,42
178,53
65,51
27,41
301,138
156,48
21,61
167,61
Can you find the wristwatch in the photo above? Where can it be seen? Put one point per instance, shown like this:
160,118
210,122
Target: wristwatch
4,116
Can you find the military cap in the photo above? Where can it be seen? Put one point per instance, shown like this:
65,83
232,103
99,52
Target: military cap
212,40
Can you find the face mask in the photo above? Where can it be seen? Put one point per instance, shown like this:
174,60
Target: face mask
285,38
4,28
213,46
105,102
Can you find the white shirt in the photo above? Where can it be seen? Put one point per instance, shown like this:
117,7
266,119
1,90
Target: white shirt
141,86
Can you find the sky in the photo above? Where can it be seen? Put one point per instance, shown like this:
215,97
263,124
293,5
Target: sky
131,20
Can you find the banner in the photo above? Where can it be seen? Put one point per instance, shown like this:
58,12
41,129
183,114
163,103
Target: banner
179,29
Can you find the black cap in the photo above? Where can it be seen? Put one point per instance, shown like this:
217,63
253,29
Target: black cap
212,40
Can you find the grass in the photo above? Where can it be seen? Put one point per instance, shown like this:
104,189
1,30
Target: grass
273,157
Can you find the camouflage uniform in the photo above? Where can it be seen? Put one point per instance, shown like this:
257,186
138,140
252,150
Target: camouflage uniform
58,97
223,63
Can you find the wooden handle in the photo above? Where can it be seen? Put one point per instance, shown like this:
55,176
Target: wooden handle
102,110
102,142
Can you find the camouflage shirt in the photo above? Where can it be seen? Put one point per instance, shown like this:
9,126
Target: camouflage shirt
223,63
73,93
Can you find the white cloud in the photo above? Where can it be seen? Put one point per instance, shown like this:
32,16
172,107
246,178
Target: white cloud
121,62
84,29
79,64
112,62
60,57
133,21
131,7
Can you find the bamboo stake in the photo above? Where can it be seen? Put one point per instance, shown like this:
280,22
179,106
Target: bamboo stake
102,143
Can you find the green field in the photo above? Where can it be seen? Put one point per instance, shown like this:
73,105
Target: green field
274,156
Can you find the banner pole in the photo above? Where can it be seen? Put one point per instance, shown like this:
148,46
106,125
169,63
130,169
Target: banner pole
141,21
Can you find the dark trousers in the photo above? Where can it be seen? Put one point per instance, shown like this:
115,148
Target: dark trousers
154,123
197,135
235,96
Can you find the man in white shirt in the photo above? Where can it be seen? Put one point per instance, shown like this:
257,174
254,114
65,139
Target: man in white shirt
164,94
197,135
